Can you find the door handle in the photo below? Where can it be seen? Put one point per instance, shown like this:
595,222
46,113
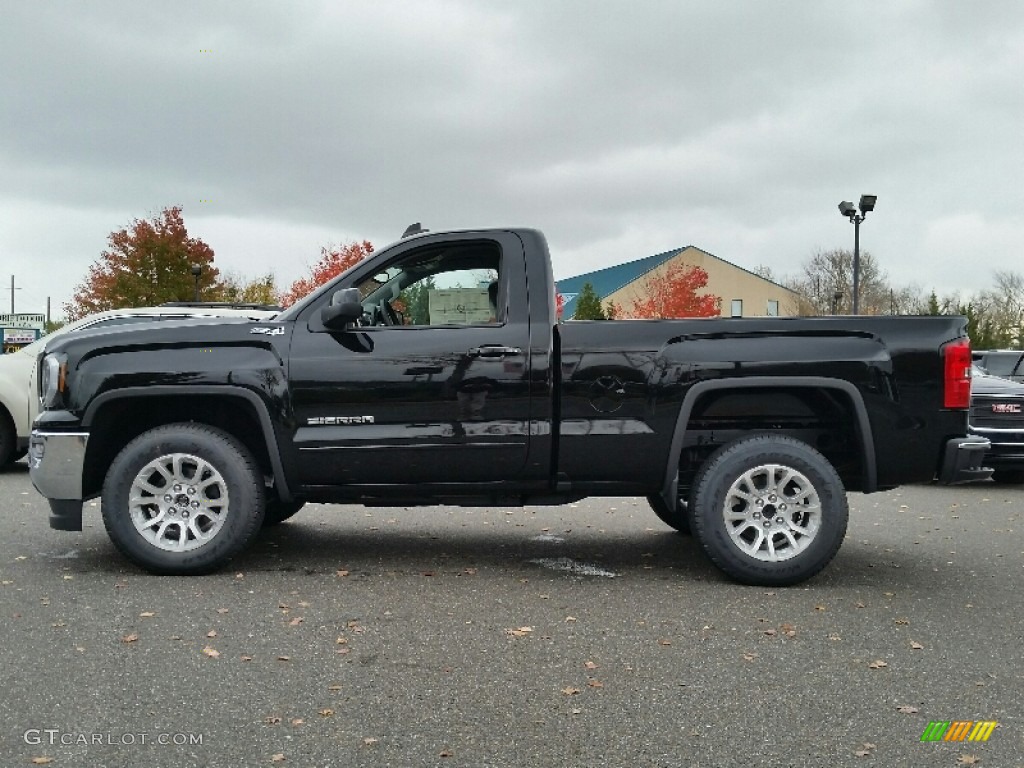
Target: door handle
494,350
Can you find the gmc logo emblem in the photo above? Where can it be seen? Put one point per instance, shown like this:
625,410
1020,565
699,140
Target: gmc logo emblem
1006,408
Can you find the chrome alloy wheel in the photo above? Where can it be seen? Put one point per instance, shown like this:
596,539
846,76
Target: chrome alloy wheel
772,512
178,502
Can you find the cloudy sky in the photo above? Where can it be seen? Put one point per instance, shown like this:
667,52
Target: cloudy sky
621,129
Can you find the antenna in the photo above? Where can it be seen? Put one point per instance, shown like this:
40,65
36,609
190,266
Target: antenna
414,229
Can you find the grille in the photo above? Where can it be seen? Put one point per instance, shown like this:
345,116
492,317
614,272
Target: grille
982,414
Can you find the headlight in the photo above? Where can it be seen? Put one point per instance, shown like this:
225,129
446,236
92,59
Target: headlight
52,380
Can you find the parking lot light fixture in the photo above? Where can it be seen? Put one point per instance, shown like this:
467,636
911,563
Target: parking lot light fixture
847,209
197,270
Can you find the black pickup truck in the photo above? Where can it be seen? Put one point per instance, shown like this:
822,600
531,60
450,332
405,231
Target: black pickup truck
437,372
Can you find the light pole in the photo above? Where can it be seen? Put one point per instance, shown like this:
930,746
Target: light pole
197,270
867,203
836,298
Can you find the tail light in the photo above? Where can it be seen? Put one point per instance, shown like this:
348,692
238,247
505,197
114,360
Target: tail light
956,366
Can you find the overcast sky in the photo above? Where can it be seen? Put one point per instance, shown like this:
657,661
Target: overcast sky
619,129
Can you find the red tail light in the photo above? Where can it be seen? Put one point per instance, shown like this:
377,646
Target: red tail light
956,358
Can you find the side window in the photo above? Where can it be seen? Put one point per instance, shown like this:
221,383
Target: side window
453,284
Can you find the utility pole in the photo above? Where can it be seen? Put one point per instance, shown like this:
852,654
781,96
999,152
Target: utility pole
12,294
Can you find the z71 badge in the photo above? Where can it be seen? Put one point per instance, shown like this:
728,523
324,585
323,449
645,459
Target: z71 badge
326,421
279,331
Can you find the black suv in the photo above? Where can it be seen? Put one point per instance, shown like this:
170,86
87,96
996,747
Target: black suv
997,412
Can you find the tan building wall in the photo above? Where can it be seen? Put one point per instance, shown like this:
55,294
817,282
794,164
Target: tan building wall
727,280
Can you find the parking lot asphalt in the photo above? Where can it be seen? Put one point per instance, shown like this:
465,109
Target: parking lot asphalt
588,634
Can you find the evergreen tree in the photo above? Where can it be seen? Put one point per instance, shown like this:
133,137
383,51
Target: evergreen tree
588,305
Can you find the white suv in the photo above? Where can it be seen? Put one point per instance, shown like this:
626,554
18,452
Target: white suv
19,404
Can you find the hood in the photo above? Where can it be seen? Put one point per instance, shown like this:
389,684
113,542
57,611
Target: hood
993,386
177,332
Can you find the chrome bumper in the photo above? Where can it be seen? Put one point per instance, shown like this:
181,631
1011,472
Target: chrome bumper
55,463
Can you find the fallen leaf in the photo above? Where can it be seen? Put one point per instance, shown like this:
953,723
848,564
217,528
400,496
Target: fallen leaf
335,687
820,608
42,760
212,633
521,632
590,665
770,632
569,691
749,656
906,709
67,577
445,753
296,621
595,684
147,615
969,760
246,658
916,645
341,573
902,622
326,712
284,658
278,758
223,610
343,651
879,664
570,618
272,720
213,653
664,641
370,741
297,721
862,753
788,630
130,638
341,641
834,637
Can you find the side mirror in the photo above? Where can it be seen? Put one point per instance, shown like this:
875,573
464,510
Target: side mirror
345,308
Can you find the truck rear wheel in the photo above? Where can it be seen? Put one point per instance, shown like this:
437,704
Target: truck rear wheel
769,510
183,499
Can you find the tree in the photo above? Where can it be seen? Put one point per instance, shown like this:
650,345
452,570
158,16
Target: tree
147,263
588,305
262,290
333,261
672,292
828,273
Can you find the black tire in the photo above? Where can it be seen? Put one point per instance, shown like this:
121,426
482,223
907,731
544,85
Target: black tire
8,440
205,476
680,519
278,511
781,474
1008,476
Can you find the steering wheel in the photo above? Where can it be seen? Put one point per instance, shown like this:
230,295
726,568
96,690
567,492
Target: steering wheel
388,314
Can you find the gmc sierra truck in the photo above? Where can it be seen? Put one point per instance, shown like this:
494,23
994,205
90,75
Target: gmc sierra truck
436,371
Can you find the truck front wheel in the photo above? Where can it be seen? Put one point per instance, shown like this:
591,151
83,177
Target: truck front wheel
183,499
769,510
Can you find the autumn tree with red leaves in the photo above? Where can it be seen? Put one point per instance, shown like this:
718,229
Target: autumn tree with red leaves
672,293
147,263
333,261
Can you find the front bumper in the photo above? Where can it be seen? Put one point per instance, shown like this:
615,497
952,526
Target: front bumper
56,462
1007,448
961,462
